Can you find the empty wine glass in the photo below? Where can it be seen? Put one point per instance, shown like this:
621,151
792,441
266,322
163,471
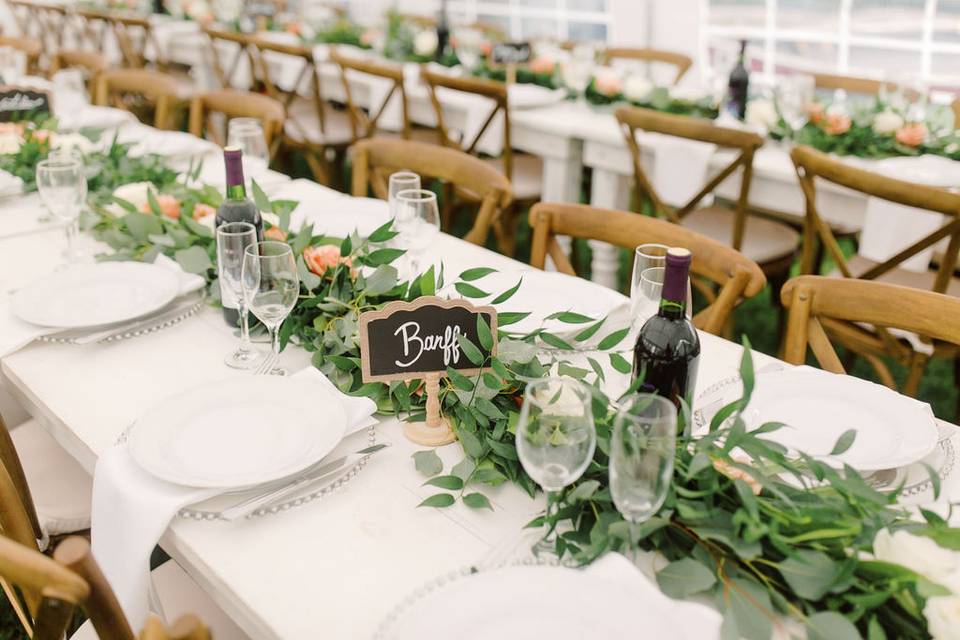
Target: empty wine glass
233,238
649,292
576,71
794,95
641,457
418,222
400,181
62,184
247,135
271,287
469,46
555,439
646,256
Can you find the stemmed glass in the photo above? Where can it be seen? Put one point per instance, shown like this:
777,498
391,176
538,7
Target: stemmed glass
271,287
62,184
418,222
646,256
794,95
247,135
641,457
578,68
469,44
555,439
233,238
646,282
400,181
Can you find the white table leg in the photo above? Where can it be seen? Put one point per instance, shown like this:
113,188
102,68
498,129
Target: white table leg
610,191
561,183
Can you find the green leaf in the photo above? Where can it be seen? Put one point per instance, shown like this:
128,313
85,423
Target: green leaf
383,233
620,363
506,318
875,630
152,202
809,573
475,274
195,227
472,445
830,625
464,469
843,442
570,317
470,291
556,342
309,279
193,260
428,282
613,339
260,198
346,246
438,500
459,380
477,501
583,491
483,333
381,281
470,350
749,607
142,225
589,332
453,483
506,295
427,462
685,577
384,256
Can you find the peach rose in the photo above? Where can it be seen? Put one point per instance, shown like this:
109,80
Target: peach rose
278,234
369,37
10,128
486,48
607,83
42,135
836,124
815,112
201,210
725,468
912,134
294,28
169,207
543,64
319,259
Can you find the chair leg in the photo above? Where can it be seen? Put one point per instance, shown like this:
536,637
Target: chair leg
918,362
319,167
505,229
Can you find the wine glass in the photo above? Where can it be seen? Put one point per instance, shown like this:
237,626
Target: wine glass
641,457
233,238
649,292
576,71
555,439
469,45
400,181
646,256
271,287
62,184
794,95
418,222
247,135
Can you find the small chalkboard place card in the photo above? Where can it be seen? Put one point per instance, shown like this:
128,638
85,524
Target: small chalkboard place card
412,340
511,53
20,103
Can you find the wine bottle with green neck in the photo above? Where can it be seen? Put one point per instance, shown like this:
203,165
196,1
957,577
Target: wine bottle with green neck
236,207
667,352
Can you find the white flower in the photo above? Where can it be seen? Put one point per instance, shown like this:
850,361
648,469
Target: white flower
887,122
9,143
636,88
70,141
762,113
227,10
425,43
917,553
135,193
943,617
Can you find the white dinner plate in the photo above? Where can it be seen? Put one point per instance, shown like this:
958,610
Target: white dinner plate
238,432
818,407
544,293
548,602
96,294
532,96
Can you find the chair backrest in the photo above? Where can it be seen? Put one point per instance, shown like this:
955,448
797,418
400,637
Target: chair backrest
231,103
43,593
850,84
737,276
32,48
101,605
308,73
128,89
18,515
813,301
811,164
376,158
55,25
222,41
26,17
490,89
633,119
134,34
679,61
90,63
365,123
96,27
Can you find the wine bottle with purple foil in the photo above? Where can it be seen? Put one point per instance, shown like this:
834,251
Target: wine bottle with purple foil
667,352
739,85
236,207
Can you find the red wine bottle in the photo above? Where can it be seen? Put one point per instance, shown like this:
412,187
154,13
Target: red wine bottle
667,352
739,85
236,207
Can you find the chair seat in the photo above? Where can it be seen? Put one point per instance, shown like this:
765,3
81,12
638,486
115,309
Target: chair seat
180,595
916,280
527,177
303,127
764,241
60,487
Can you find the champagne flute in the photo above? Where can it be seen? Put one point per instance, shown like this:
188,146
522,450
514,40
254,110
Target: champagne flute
271,287
400,181
794,95
233,238
642,450
555,440
469,45
247,135
418,221
62,184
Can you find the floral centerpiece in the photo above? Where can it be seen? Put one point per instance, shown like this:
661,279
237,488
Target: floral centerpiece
609,86
407,40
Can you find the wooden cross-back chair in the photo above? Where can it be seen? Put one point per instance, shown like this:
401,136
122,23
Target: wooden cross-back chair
55,27
365,123
90,63
26,16
769,243
240,44
32,48
312,125
151,95
134,35
376,158
95,28
735,276
850,84
231,103
819,304
678,61
875,344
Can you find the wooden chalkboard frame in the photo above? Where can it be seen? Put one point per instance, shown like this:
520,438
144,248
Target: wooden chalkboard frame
432,301
8,115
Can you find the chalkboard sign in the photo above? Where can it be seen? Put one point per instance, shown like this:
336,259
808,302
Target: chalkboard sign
19,103
406,340
511,53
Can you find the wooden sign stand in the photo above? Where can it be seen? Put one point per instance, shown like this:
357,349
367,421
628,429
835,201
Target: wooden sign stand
418,340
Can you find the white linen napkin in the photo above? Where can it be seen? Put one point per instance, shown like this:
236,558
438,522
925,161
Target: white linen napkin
94,117
131,509
680,167
166,143
889,228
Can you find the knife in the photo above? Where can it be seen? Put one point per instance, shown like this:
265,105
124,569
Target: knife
328,472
